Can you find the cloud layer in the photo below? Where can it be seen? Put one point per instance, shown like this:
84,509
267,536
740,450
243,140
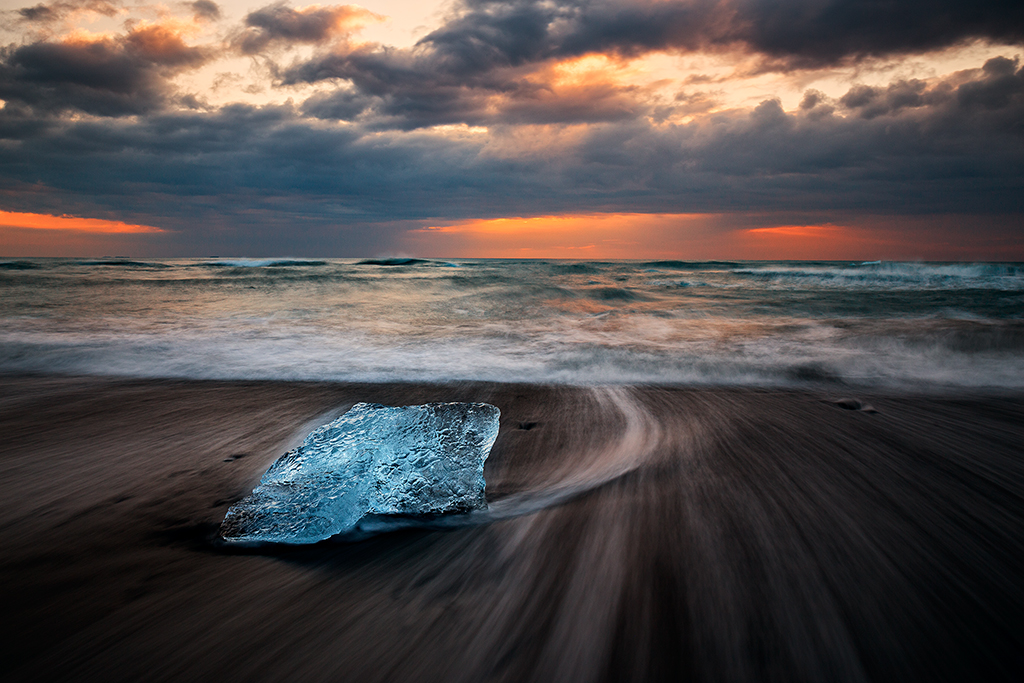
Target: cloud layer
486,117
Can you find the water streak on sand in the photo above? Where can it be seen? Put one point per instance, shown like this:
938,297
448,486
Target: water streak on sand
634,446
638,533
577,472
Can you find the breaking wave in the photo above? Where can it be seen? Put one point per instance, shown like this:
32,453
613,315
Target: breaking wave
895,275
752,323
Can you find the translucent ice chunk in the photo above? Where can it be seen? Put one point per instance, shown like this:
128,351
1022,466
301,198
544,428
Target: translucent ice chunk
372,461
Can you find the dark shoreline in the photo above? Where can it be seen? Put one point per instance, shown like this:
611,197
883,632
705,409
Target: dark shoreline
731,534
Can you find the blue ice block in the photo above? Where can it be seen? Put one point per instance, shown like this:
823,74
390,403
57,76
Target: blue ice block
372,462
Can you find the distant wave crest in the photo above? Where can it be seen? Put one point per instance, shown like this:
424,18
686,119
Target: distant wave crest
262,263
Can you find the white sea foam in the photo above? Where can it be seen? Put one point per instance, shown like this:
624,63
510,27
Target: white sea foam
579,323
875,274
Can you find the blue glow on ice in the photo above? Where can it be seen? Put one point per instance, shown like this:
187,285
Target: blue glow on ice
374,461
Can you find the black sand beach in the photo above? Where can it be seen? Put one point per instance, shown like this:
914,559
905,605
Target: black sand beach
693,534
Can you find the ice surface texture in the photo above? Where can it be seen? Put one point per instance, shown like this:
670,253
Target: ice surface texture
372,461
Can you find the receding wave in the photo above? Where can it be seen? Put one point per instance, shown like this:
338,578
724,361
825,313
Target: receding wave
967,357
774,324
971,339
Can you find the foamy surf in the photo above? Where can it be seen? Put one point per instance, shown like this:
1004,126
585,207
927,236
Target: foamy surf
870,324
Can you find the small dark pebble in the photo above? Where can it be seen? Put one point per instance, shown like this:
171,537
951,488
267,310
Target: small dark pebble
854,404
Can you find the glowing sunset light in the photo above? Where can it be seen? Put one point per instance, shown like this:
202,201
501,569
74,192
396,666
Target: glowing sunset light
38,221
610,129
643,236
817,242
796,231
574,236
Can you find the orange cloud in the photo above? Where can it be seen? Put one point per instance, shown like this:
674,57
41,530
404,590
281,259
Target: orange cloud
695,237
573,236
162,44
313,25
814,231
34,234
40,221
814,242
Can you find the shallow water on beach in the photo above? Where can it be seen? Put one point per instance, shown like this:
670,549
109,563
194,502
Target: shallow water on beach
576,322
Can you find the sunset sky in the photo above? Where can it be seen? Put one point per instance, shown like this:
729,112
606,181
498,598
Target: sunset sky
832,129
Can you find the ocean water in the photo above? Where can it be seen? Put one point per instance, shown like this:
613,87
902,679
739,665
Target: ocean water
877,324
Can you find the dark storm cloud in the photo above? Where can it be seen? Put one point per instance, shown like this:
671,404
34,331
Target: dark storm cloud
819,32
997,87
955,146
484,38
490,34
815,32
393,85
802,32
471,70
49,12
206,9
870,102
118,76
398,89
38,13
426,100
271,176
281,25
1000,88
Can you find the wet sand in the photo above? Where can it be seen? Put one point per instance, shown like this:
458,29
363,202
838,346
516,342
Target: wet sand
638,534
